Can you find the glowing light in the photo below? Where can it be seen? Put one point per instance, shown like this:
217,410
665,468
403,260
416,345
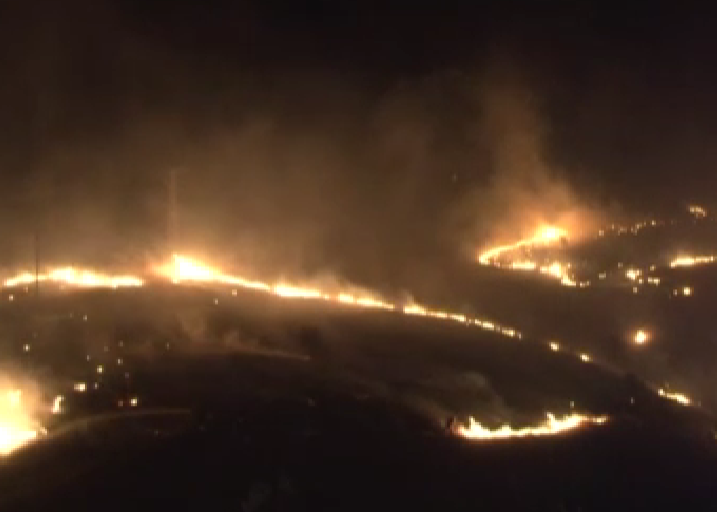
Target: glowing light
57,404
133,401
22,279
183,269
689,261
641,337
554,269
100,368
551,426
80,387
567,281
554,346
685,291
523,265
70,276
697,211
632,274
543,236
367,302
297,292
18,427
585,358
14,397
415,310
558,271
677,397
26,347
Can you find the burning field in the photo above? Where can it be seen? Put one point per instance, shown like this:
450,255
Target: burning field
46,305
354,256
185,347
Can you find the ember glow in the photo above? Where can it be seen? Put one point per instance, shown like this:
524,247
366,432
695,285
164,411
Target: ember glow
697,211
519,256
689,261
633,274
500,256
551,426
641,337
545,235
70,276
187,270
558,271
57,404
677,397
18,425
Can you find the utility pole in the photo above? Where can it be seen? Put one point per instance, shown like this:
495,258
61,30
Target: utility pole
172,214
37,263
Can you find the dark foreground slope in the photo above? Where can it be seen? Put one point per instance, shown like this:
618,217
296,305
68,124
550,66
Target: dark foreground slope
261,405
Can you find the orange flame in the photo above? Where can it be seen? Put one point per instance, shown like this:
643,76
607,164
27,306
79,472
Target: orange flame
184,269
543,236
18,425
71,276
677,397
689,261
641,337
551,426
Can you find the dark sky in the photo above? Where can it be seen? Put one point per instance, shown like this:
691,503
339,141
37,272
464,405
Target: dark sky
310,133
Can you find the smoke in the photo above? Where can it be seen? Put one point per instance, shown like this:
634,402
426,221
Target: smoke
527,187
281,170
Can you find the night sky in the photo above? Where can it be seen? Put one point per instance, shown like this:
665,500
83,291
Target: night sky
314,135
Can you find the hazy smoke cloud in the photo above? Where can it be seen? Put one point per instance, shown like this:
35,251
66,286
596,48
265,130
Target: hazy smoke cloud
280,172
527,187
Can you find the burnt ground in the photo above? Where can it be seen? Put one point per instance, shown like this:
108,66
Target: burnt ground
255,403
